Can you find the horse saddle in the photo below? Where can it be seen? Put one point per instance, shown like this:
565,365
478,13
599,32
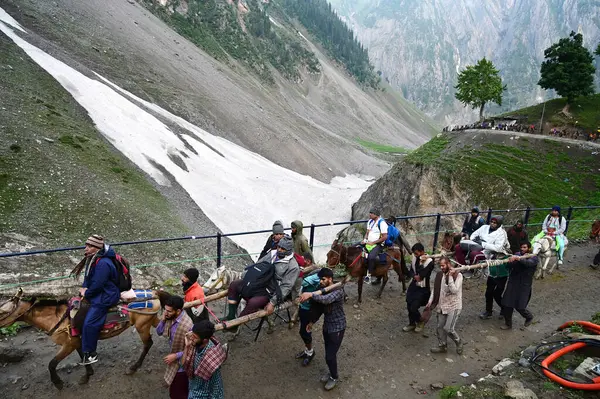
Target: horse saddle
116,316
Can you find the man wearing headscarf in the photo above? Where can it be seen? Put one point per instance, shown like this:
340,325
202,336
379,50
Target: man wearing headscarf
192,292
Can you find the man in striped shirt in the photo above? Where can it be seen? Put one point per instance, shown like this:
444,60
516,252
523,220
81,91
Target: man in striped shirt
334,324
447,298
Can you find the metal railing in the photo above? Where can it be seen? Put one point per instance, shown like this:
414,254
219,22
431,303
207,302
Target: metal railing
526,217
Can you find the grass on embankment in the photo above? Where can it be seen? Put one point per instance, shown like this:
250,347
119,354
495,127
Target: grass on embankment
503,174
585,112
382,147
60,181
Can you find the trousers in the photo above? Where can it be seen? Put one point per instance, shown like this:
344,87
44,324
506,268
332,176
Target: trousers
179,387
93,323
253,304
373,258
493,292
333,341
446,324
508,313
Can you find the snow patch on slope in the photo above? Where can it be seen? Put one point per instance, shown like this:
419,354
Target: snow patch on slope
237,189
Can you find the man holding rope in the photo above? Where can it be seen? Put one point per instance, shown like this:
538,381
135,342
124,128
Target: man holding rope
518,289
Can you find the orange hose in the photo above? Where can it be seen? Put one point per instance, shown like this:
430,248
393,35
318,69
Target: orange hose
578,345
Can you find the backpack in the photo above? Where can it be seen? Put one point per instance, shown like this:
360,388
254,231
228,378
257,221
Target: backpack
392,233
259,280
123,275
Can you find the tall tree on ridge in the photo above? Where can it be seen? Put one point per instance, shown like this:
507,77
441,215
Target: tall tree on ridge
479,84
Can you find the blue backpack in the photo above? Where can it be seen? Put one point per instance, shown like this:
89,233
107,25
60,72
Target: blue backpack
392,234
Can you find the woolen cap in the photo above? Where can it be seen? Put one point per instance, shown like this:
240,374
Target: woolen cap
192,273
95,241
278,227
286,243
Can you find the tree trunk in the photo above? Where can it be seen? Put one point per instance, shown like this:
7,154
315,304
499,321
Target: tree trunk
565,109
481,112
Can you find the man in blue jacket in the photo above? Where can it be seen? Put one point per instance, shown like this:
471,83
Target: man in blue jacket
100,290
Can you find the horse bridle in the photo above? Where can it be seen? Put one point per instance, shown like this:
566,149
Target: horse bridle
343,251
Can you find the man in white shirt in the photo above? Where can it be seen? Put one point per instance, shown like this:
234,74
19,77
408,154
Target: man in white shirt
374,239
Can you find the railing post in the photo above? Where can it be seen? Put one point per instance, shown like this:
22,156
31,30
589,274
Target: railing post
438,222
569,215
312,236
489,216
219,249
526,218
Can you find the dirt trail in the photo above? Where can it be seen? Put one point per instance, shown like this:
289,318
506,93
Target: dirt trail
376,360
535,137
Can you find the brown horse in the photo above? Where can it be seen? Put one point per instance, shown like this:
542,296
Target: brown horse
356,264
51,316
595,233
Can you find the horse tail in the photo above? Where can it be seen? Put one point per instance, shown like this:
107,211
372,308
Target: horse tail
163,296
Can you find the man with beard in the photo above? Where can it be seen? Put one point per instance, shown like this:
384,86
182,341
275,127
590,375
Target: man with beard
203,358
518,289
472,222
334,324
192,292
447,298
493,239
177,324
517,235
418,291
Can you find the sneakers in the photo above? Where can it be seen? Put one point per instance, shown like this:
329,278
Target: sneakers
325,378
408,328
306,358
367,278
459,347
528,322
419,327
485,315
560,262
330,384
439,349
89,358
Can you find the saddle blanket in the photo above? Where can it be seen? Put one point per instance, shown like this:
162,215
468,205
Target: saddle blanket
116,315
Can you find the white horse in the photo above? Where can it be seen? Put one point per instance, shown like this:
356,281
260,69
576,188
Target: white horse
545,249
220,279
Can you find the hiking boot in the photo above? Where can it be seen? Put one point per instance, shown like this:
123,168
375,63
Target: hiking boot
410,327
459,347
505,327
325,377
308,359
331,383
485,315
89,358
376,281
419,327
528,322
439,349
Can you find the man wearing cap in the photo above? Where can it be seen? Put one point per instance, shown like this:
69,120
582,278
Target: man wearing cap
192,292
100,290
273,239
555,225
334,324
286,273
472,222
374,239
494,241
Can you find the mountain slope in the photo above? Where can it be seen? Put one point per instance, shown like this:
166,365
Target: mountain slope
420,45
309,126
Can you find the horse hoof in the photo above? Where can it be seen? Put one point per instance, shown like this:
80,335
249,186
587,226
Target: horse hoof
84,379
59,385
130,371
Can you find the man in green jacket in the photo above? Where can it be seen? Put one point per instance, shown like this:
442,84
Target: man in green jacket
300,242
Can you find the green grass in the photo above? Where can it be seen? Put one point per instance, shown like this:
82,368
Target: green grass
585,112
430,152
10,331
382,147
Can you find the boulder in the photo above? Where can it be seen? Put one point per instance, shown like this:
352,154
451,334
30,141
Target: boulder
516,390
503,365
585,367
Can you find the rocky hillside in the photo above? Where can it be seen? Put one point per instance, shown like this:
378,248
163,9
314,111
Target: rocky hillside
501,170
420,45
